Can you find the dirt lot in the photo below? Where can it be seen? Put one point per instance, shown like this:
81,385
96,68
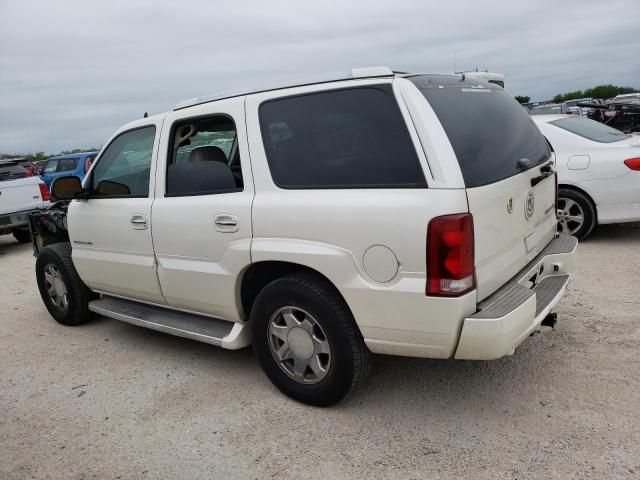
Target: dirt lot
110,400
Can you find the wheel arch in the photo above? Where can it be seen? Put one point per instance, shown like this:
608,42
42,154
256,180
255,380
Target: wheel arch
259,274
567,186
77,311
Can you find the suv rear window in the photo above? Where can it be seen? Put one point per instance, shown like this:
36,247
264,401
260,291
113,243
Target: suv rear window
590,129
352,138
488,129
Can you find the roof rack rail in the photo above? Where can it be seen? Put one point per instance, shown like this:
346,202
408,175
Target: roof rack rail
367,72
354,73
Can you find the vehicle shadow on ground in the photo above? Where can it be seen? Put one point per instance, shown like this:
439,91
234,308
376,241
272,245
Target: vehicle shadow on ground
452,384
9,245
394,381
617,232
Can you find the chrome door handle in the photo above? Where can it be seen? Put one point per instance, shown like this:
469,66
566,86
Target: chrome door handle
226,223
139,222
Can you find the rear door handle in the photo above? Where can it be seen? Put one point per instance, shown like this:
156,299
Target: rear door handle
139,222
226,223
539,178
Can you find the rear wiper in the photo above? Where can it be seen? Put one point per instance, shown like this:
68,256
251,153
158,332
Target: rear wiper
525,163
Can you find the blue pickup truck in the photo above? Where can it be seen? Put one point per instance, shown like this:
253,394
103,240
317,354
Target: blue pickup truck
76,164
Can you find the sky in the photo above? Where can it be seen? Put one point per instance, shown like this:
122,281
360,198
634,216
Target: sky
73,71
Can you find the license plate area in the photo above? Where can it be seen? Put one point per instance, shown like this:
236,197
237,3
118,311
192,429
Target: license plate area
534,276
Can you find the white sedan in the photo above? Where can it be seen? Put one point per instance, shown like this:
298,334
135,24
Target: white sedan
598,172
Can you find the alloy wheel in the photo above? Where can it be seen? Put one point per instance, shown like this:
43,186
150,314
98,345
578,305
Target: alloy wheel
570,216
299,345
56,288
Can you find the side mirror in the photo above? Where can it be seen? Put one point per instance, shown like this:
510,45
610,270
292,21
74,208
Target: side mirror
65,188
109,187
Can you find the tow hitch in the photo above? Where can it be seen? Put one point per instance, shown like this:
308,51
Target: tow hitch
550,320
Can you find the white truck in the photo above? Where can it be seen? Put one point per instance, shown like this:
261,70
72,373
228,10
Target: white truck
321,223
19,194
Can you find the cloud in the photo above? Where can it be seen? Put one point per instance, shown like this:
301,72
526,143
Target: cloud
71,72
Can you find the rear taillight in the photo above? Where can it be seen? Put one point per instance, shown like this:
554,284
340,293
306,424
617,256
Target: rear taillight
44,192
633,163
87,163
450,255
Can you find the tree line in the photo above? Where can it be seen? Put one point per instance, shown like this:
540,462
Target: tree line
600,91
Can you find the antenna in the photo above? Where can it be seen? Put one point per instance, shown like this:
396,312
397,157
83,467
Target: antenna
145,115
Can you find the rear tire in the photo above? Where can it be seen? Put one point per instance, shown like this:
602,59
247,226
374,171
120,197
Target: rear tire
307,341
63,293
576,213
22,235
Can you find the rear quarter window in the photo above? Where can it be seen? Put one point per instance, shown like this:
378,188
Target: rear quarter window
351,138
487,128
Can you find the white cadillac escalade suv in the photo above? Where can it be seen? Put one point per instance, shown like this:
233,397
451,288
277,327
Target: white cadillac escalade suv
319,222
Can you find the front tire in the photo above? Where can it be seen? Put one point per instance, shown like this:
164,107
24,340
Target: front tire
306,340
63,293
576,213
21,235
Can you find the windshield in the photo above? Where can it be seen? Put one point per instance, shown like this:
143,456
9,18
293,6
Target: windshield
628,96
590,129
546,110
574,103
488,129
51,166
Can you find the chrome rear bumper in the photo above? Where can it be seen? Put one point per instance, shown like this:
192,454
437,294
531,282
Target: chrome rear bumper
511,314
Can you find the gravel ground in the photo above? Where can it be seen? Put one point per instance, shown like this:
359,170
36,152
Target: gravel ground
110,400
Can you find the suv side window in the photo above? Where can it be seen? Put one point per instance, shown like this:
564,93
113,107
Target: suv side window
352,138
67,164
204,157
124,168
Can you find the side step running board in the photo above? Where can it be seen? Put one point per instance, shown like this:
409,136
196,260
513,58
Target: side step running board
221,333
